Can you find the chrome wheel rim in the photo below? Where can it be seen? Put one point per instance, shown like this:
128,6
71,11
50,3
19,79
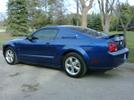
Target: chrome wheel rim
72,65
9,56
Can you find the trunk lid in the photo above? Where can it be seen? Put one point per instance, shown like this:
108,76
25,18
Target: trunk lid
119,39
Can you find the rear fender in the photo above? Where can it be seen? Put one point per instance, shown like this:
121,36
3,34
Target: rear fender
78,50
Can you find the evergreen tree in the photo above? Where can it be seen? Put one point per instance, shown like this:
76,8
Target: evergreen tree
45,12
39,20
94,21
17,23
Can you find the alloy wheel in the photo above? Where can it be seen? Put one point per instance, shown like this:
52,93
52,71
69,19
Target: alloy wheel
72,65
9,55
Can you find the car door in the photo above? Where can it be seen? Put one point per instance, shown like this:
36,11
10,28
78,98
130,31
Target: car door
40,49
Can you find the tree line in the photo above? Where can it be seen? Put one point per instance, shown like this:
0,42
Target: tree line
28,15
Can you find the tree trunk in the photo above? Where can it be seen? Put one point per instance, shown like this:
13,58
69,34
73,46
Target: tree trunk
125,32
106,24
77,4
84,18
124,28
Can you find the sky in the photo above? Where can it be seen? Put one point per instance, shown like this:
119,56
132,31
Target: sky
3,5
71,5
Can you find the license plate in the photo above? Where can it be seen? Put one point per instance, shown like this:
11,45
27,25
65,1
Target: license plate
125,57
119,38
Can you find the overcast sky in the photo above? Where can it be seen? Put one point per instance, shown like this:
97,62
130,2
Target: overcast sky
3,5
70,4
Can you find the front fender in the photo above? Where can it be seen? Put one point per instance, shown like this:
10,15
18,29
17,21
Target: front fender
9,45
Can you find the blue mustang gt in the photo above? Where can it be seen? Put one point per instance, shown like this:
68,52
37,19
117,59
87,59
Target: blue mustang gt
76,49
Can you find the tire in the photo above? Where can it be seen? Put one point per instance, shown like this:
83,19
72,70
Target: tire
10,56
74,65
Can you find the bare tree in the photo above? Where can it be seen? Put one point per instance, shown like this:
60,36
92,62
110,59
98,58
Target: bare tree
86,5
106,8
128,16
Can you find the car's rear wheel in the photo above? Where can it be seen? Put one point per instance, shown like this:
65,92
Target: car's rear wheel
10,56
74,65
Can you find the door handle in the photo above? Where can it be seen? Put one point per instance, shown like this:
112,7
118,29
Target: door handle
47,43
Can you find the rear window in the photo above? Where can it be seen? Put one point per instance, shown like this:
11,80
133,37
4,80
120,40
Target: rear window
89,32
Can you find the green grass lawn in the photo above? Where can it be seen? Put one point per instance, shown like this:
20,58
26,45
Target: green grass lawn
4,37
130,42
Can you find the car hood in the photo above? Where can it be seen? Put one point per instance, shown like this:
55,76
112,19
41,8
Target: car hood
17,40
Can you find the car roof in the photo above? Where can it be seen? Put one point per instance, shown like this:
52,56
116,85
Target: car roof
62,26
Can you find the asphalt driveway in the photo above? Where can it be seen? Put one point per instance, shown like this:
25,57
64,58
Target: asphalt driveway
25,82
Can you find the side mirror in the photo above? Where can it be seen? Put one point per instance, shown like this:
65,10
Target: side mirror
30,38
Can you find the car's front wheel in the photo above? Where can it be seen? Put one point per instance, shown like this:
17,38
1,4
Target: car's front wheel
74,65
10,56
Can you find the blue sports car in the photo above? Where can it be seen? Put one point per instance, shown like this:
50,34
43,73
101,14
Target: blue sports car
75,49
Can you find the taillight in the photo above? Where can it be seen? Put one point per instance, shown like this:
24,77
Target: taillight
112,47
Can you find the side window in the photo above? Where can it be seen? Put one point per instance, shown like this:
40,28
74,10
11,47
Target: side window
46,34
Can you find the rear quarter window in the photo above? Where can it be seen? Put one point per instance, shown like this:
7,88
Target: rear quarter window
89,32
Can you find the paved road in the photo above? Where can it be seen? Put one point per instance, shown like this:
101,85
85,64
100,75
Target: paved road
24,82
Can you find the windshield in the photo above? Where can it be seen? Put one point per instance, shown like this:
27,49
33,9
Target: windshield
89,32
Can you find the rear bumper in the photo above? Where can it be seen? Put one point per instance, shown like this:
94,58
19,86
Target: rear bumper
120,52
119,57
111,60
